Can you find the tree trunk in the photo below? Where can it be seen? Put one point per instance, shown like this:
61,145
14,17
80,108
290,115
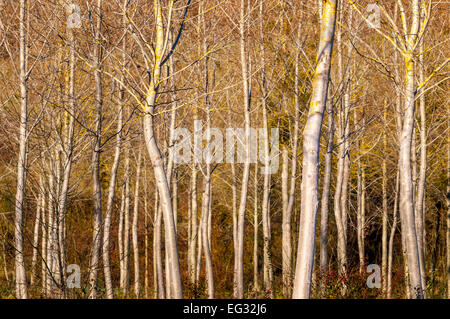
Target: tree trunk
134,228
44,242
157,258
194,231
146,232
51,237
448,201
421,185
239,254
255,234
286,249
205,235
324,208
96,187
267,260
20,272
157,159
124,278
311,146
406,182
391,239
384,240
37,221
360,205
406,186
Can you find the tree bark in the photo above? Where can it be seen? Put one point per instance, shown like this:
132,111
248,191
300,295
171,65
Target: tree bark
125,275
134,228
311,145
267,260
255,234
96,187
324,208
112,187
391,239
20,272
37,221
384,240
157,159
448,202
239,254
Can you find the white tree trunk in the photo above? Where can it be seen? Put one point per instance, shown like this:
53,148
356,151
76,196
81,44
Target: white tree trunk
205,235
406,182
37,222
157,159
421,185
391,239
20,272
311,145
239,253
360,204
267,260
134,228
286,249
157,258
448,202
124,274
324,208
255,234
96,149
112,188
44,241
406,185
384,239
192,269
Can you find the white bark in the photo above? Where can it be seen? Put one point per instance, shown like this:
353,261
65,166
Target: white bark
192,269
157,259
286,249
96,149
360,224
35,244
384,242
239,253
157,159
406,186
324,208
406,183
205,235
44,241
448,202
391,239
287,228
112,187
20,272
51,237
255,233
267,260
134,228
311,145
124,274
340,198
